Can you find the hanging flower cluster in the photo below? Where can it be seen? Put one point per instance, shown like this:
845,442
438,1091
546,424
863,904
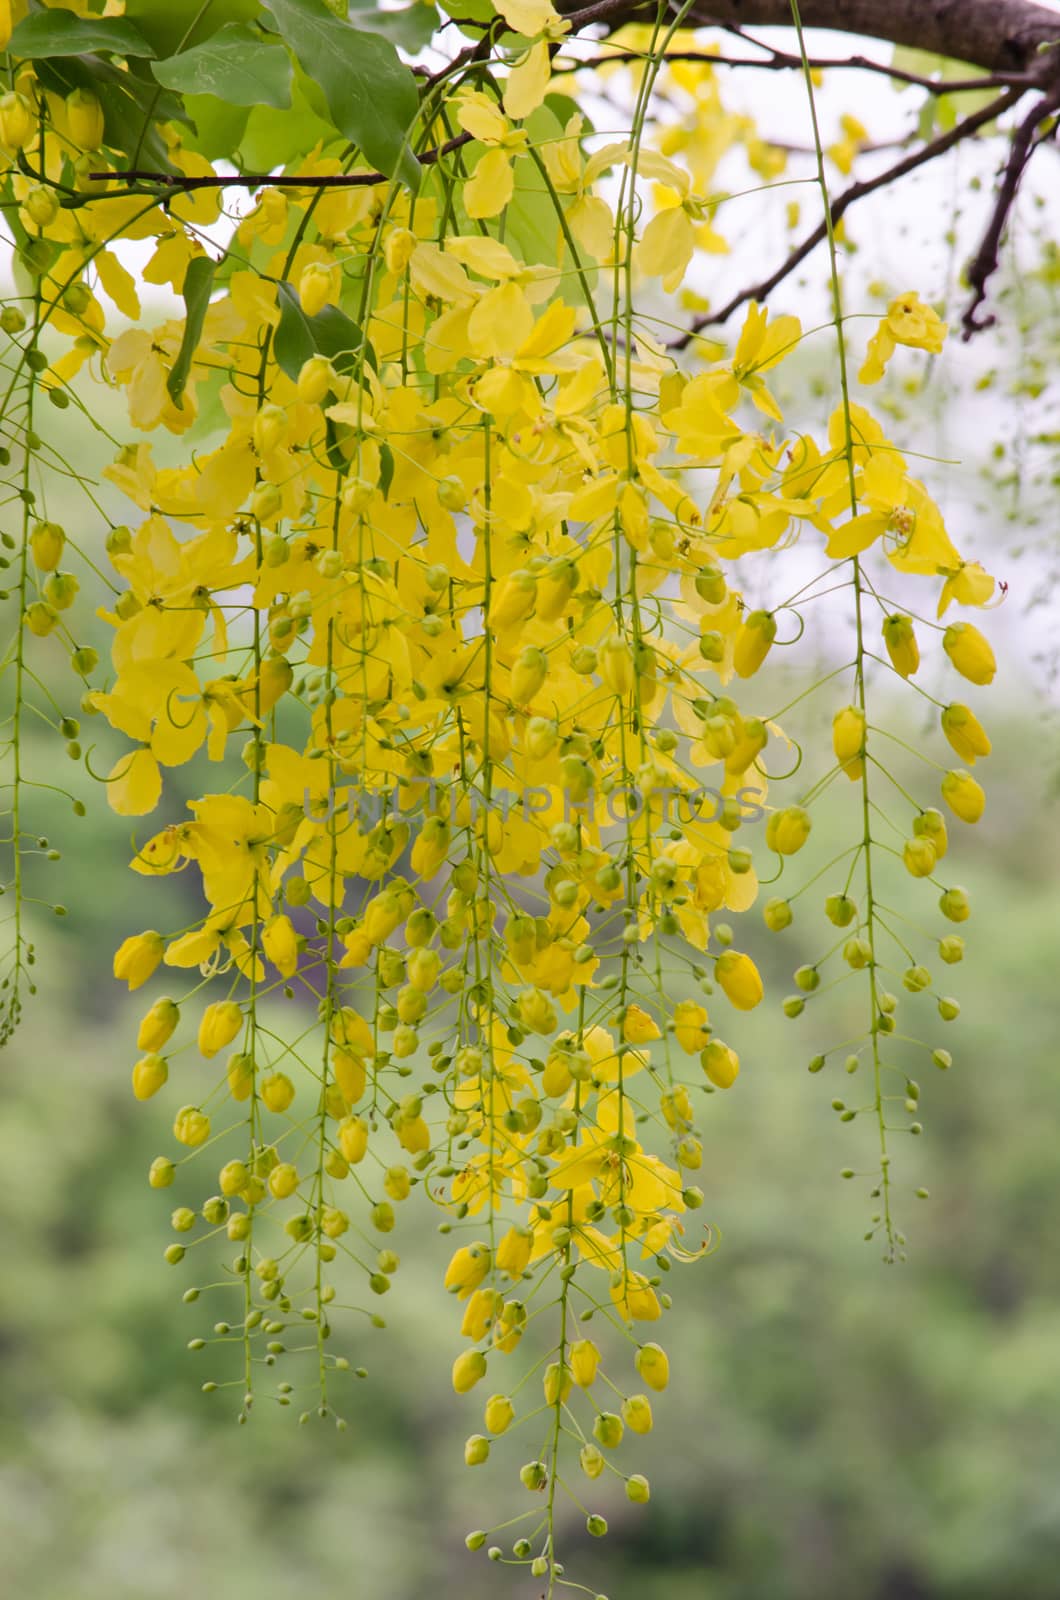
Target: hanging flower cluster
444,612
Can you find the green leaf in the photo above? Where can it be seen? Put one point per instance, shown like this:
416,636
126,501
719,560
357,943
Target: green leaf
219,127
198,282
371,94
411,28
172,25
330,333
235,65
276,138
60,33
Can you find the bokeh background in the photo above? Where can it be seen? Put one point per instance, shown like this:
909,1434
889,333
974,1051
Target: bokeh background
835,1426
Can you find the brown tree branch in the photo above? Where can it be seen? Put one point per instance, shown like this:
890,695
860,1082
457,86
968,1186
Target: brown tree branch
987,258
842,203
996,35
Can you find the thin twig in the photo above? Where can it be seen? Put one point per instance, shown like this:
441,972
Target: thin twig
779,61
987,258
256,180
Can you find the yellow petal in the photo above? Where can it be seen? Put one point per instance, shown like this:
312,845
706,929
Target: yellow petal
134,784
488,190
528,82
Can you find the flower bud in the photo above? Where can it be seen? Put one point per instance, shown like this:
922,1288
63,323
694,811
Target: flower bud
584,1360
318,286
720,1063
158,1025
754,640
616,667
919,857
788,830
162,1173
840,910
739,978
638,1489
41,618
608,1430
512,600
47,542
951,949
277,1091
148,1076
963,795
954,905
17,122
499,1414
969,652
636,1413
900,640
528,674
283,1180
710,586
848,740
191,1126
316,379
591,1461
534,1475
476,1450
653,1365
233,1177
777,915
557,1383
85,116
219,1026
136,959
965,732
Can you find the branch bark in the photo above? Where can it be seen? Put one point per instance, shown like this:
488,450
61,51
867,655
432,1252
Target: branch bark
997,35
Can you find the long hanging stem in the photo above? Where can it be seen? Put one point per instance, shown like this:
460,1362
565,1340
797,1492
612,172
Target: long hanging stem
869,919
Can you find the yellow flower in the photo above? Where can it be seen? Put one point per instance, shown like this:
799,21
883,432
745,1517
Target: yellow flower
281,944
638,1027
690,1025
907,322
